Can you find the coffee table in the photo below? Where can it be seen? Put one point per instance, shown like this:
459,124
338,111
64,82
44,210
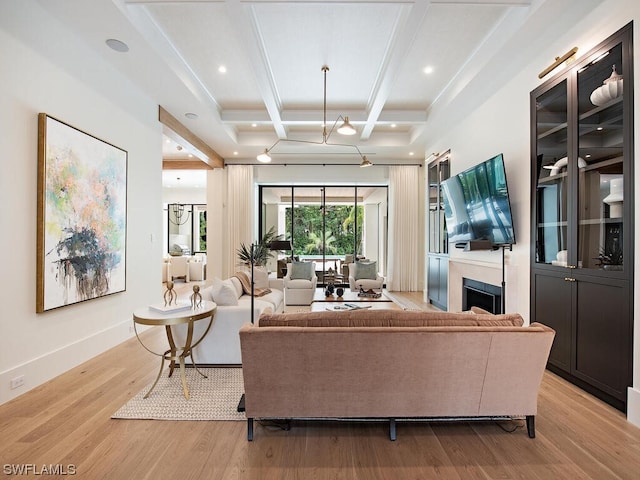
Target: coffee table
348,296
338,306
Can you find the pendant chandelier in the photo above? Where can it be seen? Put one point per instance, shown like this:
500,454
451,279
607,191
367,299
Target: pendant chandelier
344,129
177,214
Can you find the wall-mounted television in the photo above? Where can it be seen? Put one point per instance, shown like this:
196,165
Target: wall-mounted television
476,205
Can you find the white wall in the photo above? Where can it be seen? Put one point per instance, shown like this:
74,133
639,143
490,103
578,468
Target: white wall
61,77
501,124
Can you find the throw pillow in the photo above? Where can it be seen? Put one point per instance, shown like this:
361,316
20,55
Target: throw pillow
301,271
368,271
226,295
260,277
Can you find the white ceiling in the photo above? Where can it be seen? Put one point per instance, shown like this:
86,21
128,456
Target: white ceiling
273,52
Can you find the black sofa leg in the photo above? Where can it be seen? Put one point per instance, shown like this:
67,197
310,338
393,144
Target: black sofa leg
250,429
531,426
392,429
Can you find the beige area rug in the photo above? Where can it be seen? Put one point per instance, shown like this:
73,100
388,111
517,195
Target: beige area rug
212,398
405,303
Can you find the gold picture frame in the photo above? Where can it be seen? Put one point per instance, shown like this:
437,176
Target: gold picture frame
81,218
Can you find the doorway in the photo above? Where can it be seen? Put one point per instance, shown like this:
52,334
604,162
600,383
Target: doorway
329,225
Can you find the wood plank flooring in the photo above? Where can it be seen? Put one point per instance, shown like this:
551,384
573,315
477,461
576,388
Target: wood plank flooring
67,422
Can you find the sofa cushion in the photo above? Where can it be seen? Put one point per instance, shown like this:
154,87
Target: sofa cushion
301,270
480,310
237,285
263,307
387,318
222,292
300,283
260,277
273,298
365,270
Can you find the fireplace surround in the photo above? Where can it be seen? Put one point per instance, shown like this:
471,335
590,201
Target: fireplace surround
480,294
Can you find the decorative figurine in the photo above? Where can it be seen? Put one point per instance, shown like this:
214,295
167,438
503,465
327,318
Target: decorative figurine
196,297
339,292
170,294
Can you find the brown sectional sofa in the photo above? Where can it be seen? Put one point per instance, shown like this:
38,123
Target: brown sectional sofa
392,365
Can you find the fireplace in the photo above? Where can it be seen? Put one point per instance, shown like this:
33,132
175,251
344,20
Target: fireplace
480,294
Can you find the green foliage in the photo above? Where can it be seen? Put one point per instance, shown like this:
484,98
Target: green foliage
314,247
261,251
202,238
340,221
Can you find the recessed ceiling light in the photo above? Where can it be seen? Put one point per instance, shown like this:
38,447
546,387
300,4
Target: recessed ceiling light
235,153
117,45
428,69
254,125
393,125
222,69
411,154
191,115
190,155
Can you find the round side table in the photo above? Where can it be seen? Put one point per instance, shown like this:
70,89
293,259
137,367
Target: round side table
150,316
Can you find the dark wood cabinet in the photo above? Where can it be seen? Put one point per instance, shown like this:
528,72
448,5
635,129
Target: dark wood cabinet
582,217
437,244
437,278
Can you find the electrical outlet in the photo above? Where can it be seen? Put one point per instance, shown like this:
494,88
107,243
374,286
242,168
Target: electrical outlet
17,382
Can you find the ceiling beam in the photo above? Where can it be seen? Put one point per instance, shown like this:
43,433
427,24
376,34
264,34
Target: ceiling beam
184,164
406,29
183,135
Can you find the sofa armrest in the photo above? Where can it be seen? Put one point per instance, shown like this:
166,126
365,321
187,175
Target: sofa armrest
238,314
277,283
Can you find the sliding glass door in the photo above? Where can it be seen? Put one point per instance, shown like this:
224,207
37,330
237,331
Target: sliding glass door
330,226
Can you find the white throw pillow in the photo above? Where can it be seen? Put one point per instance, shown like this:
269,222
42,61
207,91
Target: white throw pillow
260,277
226,295
301,271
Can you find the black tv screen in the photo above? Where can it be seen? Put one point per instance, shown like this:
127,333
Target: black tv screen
476,204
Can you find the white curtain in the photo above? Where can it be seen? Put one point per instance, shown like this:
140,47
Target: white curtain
404,229
240,206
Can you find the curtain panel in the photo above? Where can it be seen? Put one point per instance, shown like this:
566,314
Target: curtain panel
240,207
404,226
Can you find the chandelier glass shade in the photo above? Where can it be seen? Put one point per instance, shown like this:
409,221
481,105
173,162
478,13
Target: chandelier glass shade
344,129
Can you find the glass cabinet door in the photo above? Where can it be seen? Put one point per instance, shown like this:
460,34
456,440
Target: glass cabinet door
437,172
600,162
434,185
551,138
444,239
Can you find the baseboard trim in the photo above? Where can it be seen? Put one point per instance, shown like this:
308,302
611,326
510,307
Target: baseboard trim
633,406
48,366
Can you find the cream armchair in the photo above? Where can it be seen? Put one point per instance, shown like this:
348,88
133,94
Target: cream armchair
197,268
178,268
364,275
300,283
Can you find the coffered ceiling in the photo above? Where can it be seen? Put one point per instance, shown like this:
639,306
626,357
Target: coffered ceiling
243,74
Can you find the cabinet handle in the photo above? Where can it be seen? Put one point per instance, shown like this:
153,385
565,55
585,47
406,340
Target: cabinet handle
569,279
571,266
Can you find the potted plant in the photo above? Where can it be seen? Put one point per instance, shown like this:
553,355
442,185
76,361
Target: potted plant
261,250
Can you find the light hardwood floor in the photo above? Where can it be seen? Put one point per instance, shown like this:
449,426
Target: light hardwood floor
67,421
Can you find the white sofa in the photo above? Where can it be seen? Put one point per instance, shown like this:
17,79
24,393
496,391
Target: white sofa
221,346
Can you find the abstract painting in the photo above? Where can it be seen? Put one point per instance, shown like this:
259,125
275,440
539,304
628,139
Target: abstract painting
82,216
